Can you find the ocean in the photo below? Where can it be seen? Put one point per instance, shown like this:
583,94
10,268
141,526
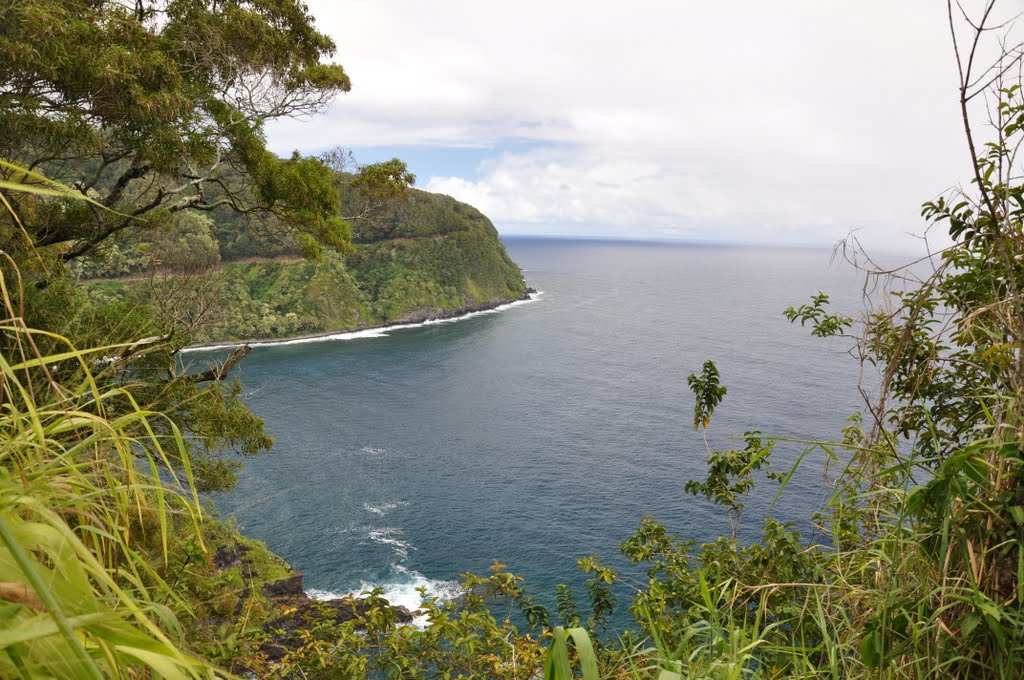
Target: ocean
544,431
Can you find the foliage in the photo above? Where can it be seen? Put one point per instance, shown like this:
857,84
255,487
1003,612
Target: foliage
602,601
823,324
107,567
448,266
730,476
148,116
556,664
79,600
143,370
159,107
709,393
184,243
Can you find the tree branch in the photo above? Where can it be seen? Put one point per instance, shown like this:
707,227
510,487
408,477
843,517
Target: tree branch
88,244
221,372
133,172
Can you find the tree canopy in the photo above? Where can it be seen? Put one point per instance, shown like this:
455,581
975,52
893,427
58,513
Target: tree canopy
152,111
148,117
152,107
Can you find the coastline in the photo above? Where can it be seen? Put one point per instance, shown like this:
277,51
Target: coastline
413,320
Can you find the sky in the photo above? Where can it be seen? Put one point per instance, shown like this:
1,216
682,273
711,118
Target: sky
785,122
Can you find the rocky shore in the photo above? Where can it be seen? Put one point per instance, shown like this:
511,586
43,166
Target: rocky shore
297,610
292,613
413,318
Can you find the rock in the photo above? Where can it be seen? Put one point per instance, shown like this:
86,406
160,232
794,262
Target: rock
229,555
302,610
286,587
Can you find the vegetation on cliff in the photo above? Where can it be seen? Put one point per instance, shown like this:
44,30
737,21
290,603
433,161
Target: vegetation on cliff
421,256
111,567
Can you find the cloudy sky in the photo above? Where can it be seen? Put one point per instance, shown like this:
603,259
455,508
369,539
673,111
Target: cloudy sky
762,122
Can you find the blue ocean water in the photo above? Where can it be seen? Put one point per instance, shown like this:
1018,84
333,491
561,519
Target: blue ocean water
544,432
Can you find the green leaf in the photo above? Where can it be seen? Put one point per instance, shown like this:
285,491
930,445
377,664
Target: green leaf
869,652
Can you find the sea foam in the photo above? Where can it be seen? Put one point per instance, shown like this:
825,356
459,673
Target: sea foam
388,536
367,333
381,509
402,591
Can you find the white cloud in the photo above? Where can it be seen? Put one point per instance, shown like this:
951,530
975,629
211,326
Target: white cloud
786,121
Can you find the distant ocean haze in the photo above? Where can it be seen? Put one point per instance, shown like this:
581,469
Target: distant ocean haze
546,431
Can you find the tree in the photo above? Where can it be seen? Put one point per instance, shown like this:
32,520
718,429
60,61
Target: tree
919,573
154,111
158,106
369,193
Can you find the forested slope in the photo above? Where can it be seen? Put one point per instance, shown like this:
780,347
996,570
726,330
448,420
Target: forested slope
424,256
123,138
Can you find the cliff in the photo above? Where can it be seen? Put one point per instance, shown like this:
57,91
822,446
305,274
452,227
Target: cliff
428,256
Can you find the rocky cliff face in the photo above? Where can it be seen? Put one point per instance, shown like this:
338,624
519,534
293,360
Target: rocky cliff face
295,613
428,257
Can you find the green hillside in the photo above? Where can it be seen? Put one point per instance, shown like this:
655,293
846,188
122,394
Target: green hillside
425,256
127,130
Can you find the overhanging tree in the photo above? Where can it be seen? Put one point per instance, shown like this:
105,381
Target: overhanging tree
157,106
153,109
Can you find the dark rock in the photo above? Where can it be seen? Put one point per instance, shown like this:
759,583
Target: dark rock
229,555
413,316
303,611
286,587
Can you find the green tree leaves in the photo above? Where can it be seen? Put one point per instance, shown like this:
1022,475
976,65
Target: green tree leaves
823,324
730,476
708,392
162,107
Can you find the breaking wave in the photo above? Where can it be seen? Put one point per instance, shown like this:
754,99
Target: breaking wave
367,333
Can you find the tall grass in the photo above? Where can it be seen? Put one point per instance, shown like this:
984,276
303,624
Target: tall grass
80,492
77,599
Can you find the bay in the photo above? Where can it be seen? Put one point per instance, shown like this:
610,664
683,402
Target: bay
544,432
